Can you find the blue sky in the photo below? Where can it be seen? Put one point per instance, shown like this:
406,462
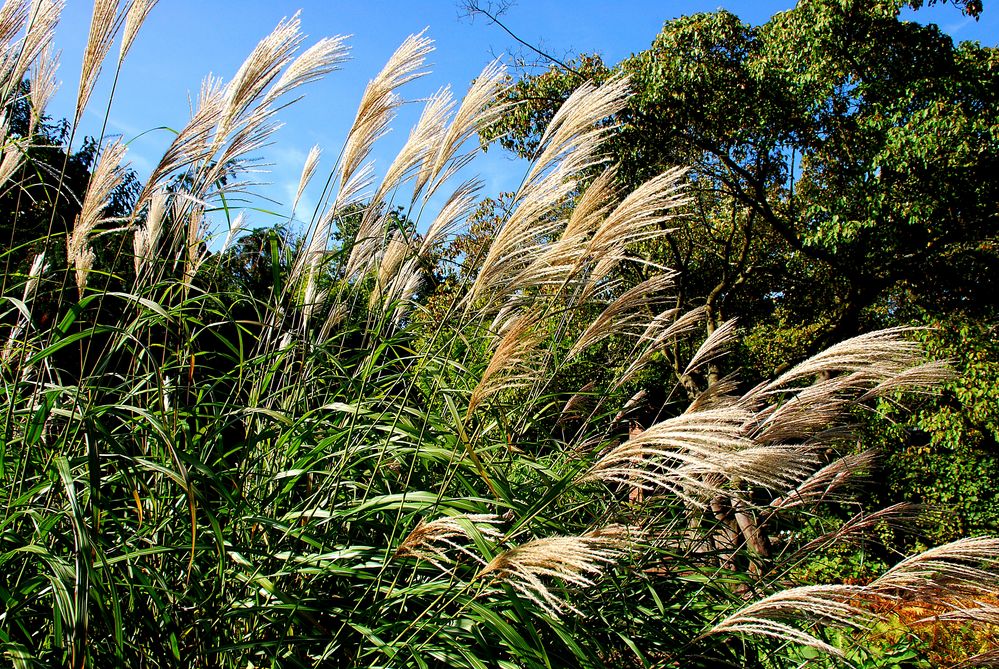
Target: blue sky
184,40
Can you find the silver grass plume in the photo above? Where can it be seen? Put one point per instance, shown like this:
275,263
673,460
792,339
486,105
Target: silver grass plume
379,101
246,121
572,408
716,345
35,272
926,376
695,455
308,261
258,71
576,561
390,259
44,16
13,15
43,85
563,262
662,330
195,245
967,567
235,229
191,145
625,313
369,242
14,153
134,18
308,170
951,576
642,215
424,138
719,393
478,108
452,215
769,438
578,128
108,175
804,413
879,355
521,238
104,24
434,541
375,112
319,60
857,530
822,485
827,605
146,236
398,296
509,367
853,371
569,147
235,120
594,205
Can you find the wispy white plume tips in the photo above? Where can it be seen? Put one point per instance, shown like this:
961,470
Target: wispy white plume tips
539,569
104,24
439,541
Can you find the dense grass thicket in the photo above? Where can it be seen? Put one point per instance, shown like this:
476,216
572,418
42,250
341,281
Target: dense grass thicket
402,436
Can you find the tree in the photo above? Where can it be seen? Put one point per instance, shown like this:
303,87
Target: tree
840,160
841,179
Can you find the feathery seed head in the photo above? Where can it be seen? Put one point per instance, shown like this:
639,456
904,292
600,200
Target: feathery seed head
509,367
694,455
664,328
423,139
13,156
260,68
433,541
320,59
104,24
625,313
379,101
134,18
235,229
477,109
453,214
13,15
43,85
879,355
38,267
107,175
828,604
308,170
969,565
823,484
44,16
572,560
83,262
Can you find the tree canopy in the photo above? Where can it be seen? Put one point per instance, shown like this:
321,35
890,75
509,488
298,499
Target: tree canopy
840,159
842,165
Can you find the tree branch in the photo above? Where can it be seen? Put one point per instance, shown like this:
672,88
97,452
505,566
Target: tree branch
473,7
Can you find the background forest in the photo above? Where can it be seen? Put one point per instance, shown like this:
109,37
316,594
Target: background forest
715,386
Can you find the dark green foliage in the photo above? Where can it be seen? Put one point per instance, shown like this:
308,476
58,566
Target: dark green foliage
946,454
842,168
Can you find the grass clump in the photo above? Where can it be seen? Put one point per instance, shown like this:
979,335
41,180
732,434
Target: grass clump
356,447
